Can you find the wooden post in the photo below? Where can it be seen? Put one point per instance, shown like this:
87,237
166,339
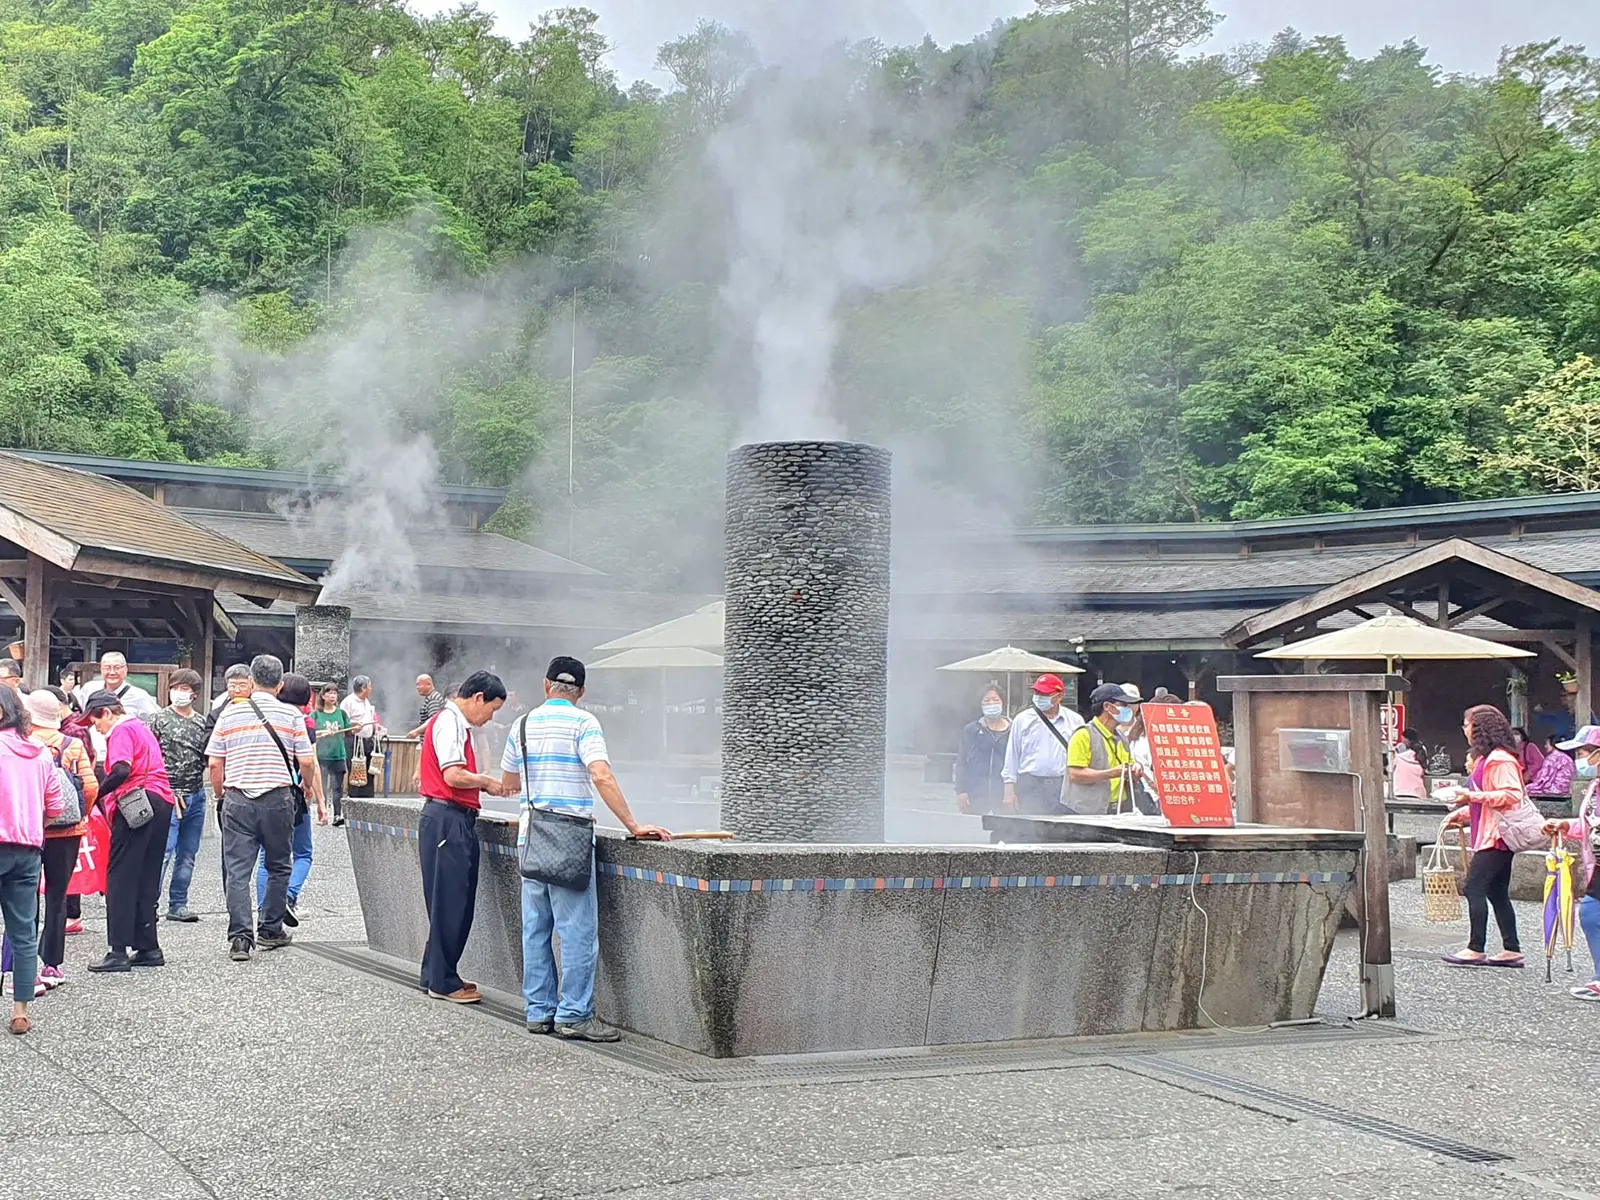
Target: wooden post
1583,667
38,608
1366,761
207,648
1243,759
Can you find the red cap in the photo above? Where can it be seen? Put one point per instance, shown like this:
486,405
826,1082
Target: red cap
1049,685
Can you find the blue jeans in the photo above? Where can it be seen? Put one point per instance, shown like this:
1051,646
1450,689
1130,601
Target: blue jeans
573,915
297,873
1589,918
183,843
19,907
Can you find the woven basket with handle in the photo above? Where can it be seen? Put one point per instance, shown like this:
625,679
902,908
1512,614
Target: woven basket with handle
1441,883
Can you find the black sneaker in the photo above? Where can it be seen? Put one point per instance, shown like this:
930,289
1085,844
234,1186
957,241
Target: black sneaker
588,1031
268,942
289,919
338,821
112,962
239,950
148,958
548,1025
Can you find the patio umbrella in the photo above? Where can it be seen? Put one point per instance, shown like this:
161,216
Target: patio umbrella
1391,636
1559,902
1009,660
659,658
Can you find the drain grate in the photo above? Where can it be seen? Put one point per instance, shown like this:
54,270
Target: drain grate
1167,1070
672,1065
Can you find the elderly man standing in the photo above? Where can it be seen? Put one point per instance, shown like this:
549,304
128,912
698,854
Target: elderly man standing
113,678
1100,763
259,751
448,832
1036,753
431,700
556,759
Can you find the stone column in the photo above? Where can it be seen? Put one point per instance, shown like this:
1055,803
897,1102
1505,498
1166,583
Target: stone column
806,642
322,643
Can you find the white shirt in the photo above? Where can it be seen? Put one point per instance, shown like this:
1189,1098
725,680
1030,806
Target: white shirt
135,700
449,736
1033,750
363,716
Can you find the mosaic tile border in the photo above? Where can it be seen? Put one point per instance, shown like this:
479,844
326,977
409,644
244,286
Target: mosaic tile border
908,883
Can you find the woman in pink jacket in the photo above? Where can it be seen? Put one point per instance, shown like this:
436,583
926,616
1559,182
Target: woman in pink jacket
1496,785
1586,832
30,794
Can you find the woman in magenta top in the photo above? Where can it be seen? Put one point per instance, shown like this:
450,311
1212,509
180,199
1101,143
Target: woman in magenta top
133,868
1496,785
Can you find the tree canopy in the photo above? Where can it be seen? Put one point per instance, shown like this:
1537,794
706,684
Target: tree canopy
1153,284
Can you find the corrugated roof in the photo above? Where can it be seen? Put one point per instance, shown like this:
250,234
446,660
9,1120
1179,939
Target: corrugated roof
110,519
446,547
485,614
1572,554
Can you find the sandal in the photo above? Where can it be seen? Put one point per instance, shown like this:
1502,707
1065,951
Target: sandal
20,1025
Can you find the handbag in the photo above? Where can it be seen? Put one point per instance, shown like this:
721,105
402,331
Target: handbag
296,790
1522,827
136,809
552,847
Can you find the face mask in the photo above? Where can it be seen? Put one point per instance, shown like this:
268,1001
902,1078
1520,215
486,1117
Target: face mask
1588,770
180,696
993,710
1125,715
1043,703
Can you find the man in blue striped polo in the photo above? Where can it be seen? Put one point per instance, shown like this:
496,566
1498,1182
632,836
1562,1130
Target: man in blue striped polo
555,758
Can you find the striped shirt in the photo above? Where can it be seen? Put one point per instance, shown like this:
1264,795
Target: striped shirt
250,761
562,741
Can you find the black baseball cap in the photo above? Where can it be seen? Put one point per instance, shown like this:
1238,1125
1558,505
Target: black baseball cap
1112,693
565,670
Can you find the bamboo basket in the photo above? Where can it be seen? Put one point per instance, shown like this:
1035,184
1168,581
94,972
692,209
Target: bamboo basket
1441,883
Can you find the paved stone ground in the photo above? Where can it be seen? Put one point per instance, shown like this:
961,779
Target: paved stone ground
293,1076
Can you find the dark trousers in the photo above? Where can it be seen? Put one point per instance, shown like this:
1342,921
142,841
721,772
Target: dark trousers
449,842
133,879
333,785
1039,795
256,828
60,860
1489,882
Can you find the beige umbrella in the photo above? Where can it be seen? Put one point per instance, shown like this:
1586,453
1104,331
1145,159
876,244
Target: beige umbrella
1391,636
701,629
658,658
1008,661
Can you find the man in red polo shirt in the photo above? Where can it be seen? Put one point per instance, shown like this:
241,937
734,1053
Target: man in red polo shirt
448,834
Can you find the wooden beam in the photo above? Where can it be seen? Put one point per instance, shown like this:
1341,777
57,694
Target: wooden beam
206,662
1477,610
1560,652
1366,760
1402,607
37,540
221,621
36,616
13,568
202,580
13,596
1443,619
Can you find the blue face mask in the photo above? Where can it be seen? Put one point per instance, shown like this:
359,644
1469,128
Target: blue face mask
1588,770
1043,703
1124,715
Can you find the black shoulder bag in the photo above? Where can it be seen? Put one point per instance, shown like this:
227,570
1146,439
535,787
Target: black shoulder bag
296,790
553,847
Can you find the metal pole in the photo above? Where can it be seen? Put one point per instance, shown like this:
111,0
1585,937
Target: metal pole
572,429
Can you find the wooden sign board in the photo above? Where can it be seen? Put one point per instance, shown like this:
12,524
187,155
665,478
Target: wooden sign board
1191,777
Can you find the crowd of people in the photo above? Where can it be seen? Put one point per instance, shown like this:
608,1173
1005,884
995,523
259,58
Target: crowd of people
102,759
1050,759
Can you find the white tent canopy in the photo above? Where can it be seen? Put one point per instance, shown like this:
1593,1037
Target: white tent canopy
700,630
657,658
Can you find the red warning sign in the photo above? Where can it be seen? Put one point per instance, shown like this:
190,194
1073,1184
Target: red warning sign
1191,777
